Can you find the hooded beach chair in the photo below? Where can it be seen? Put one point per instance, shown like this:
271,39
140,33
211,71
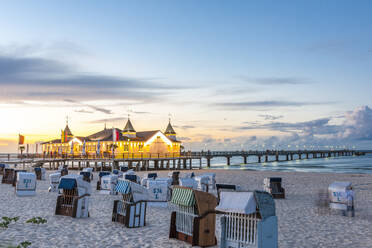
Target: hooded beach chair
212,180
248,220
75,196
202,182
8,176
2,168
273,185
40,173
159,189
54,181
341,196
193,219
149,176
131,210
26,184
87,176
226,187
108,184
175,175
188,182
90,170
15,176
100,175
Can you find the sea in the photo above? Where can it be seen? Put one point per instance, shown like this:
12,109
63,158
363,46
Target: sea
348,164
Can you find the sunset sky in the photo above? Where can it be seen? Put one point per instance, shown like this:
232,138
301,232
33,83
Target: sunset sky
231,74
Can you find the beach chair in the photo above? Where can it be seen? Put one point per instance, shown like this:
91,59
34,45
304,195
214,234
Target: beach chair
193,219
175,175
87,176
2,168
341,196
212,180
117,172
188,182
225,187
100,175
74,199
63,170
123,169
15,176
159,189
108,184
149,176
273,185
131,176
248,220
131,210
54,181
8,176
91,172
40,173
202,182
26,184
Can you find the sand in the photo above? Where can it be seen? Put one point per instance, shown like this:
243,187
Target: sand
299,223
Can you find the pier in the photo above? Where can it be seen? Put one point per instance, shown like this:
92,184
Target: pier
139,162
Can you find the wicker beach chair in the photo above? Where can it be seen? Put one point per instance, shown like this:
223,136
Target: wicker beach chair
2,168
273,185
54,181
175,175
148,176
108,184
100,175
26,184
87,176
8,176
131,210
74,199
159,189
40,173
248,220
15,176
91,172
341,197
193,219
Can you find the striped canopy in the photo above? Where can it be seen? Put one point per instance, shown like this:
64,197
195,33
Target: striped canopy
123,187
183,196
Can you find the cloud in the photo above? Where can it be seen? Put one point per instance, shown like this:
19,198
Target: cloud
113,119
358,124
83,111
271,117
272,81
185,127
39,78
98,109
266,104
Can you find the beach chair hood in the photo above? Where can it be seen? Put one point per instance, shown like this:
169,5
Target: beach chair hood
139,192
183,197
237,202
72,181
54,177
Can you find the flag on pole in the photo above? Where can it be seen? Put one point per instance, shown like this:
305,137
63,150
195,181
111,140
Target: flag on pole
115,135
27,148
21,139
84,152
98,151
63,138
72,148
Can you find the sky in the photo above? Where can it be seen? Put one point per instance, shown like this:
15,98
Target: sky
230,74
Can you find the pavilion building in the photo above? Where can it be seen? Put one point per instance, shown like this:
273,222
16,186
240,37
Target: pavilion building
126,143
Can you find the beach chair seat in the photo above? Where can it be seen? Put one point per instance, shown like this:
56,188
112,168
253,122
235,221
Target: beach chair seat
75,197
108,184
193,219
248,220
273,185
131,210
100,175
26,184
8,176
54,181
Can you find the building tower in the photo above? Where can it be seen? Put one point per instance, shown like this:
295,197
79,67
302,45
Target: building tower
66,135
170,133
128,130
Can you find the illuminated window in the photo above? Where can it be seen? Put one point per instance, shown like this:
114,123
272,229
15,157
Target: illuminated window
140,147
126,148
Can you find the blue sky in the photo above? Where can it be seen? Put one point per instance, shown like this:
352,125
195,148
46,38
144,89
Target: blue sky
227,71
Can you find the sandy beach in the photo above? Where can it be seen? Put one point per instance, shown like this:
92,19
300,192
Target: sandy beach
299,223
